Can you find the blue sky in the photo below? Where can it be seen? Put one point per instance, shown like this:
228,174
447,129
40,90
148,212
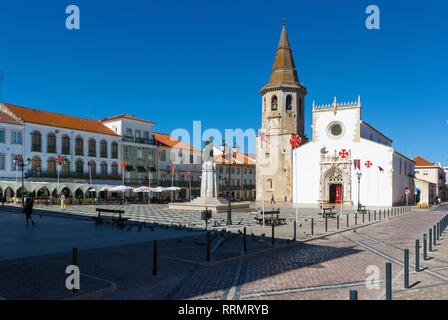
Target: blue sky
173,62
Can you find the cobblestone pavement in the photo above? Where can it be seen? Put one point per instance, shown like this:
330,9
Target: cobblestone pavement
325,268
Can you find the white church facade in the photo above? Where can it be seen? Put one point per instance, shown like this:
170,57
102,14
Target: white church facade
350,162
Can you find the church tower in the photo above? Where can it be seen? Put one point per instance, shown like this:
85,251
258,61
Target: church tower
283,114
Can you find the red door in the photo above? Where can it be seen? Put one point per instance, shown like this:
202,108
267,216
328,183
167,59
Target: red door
338,194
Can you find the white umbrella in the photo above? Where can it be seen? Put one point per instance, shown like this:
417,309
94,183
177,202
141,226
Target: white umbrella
143,189
172,189
120,189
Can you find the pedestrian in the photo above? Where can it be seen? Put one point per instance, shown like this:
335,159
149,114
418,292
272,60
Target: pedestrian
28,209
63,201
272,199
286,199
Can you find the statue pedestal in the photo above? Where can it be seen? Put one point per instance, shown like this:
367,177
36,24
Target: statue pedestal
213,204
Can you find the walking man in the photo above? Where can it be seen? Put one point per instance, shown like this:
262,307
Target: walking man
63,201
28,209
272,199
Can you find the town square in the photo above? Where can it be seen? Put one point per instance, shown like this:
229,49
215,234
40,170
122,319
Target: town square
277,158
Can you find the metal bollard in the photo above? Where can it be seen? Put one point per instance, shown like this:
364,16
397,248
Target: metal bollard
295,230
363,218
430,240
337,222
425,254
417,255
208,246
438,231
406,268
245,238
154,260
388,281
374,215
380,214
273,226
369,215
326,224
356,219
434,235
353,295
312,226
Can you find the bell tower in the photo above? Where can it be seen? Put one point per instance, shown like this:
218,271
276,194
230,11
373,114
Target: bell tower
282,114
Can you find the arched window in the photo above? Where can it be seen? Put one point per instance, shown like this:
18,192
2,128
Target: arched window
114,150
103,149
79,167
288,102
104,168
92,167
114,168
264,104
65,144
36,141
51,143
36,167
92,147
274,103
79,146
51,165
65,170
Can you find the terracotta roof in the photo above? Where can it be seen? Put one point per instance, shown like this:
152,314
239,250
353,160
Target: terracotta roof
240,158
422,162
4,118
171,142
59,120
125,116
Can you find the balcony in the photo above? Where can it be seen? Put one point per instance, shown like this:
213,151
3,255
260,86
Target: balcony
103,154
36,148
76,175
139,140
79,152
51,149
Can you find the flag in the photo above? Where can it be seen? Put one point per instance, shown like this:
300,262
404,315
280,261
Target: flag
261,134
324,150
188,173
173,168
357,164
381,169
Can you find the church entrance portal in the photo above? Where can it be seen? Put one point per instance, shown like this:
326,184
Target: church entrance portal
335,193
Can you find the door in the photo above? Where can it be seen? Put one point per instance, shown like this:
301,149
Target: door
335,193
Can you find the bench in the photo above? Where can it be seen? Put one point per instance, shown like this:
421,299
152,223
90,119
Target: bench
327,210
120,221
273,217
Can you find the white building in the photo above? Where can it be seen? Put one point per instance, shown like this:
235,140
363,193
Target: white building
325,169
89,148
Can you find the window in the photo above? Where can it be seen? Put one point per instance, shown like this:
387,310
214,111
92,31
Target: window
79,167
16,137
264,104
191,159
103,149
51,165
220,169
162,155
127,152
92,167
2,162
79,146
137,134
36,141
114,150
139,154
104,168
335,130
66,167
274,103
114,169
51,143
129,132
92,147
146,136
2,135
267,156
288,102
65,145
151,155
36,165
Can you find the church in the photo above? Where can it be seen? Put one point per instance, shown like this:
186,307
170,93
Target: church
347,161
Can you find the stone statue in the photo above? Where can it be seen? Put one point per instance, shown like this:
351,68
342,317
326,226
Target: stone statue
209,185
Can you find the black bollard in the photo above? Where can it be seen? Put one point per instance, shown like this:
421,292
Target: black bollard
337,222
208,246
312,226
374,215
425,254
348,217
273,225
75,263
417,255
356,219
245,240
406,268
438,231
154,260
326,223
363,217
430,240
434,235
388,281
353,295
369,215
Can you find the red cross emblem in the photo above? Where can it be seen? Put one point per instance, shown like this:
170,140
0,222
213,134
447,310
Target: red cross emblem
343,154
173,168
295,140
59,159
123,164
188,174
368,164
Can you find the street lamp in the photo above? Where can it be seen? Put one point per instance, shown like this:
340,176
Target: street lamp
234,150
18,161
359,174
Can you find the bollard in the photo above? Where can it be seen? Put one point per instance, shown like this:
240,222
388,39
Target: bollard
75,263
369,215
356,219
353,295
208,246
425,255
388,281
374,215
434,235
337,222
273,226
430,240
349,218
245,240
363,218
380,214
417,255
388,213
295,230
438,231
326,224
312,226
406,268
154,260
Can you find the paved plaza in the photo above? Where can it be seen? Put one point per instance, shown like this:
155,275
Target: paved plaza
325,265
